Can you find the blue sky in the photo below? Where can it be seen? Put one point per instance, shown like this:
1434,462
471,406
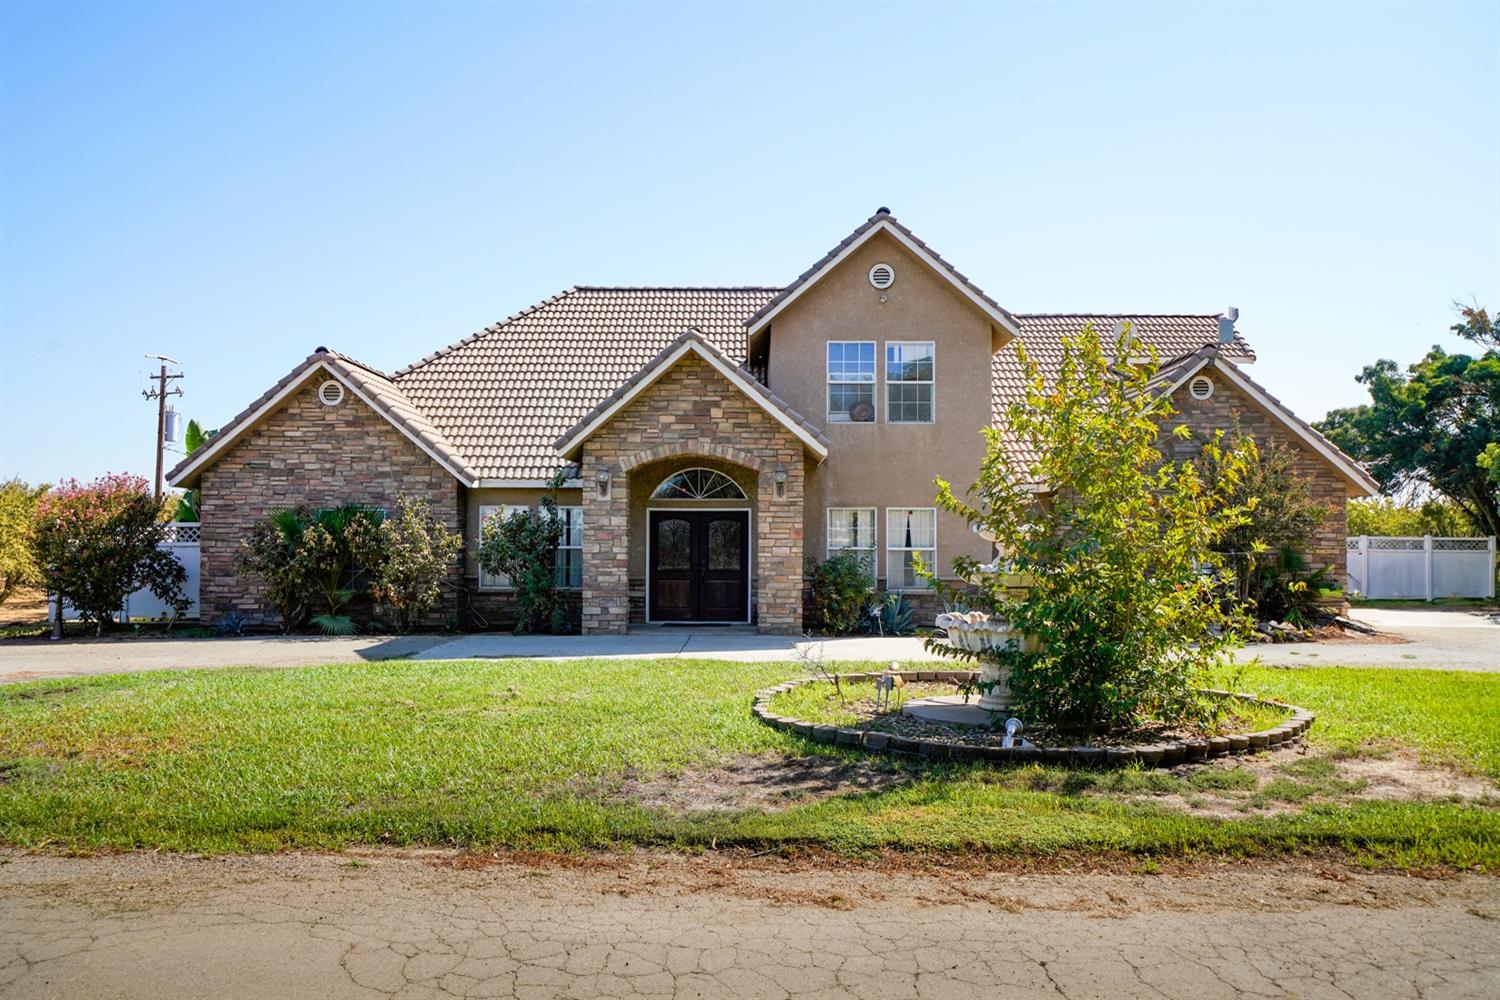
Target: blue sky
235,185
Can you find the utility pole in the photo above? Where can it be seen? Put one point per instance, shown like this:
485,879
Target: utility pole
160,394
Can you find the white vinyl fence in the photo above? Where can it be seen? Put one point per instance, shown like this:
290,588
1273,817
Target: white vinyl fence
182,542
1421,568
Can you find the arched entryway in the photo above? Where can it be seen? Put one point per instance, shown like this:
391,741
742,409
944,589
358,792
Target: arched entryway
698,547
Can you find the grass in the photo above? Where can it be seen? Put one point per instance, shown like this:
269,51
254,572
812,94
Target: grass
510,754
1475,603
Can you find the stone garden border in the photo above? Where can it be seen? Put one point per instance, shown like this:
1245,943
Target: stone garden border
1163,754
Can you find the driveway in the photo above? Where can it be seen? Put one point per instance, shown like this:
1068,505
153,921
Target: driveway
1437,639
443,926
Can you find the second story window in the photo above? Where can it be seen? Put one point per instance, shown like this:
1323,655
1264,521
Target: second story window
908,382
851,381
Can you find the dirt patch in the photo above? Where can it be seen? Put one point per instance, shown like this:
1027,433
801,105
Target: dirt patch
27,606
769,783
1333,635
1400,777
1288,782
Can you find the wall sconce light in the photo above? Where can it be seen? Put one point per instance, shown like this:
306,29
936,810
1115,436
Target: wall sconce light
779,478
601,480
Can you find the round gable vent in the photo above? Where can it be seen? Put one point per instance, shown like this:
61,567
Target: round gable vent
882,276
331,393
1201,387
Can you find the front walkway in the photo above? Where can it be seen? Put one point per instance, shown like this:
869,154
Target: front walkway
742,645
1437,638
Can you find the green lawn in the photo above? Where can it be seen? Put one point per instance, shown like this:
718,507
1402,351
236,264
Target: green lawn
520,754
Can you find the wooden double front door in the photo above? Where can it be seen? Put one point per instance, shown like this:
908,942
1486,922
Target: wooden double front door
699,566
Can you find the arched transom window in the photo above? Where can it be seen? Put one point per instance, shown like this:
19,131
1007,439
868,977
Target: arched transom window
698,484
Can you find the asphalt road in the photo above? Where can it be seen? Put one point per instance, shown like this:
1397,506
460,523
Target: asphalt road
161,926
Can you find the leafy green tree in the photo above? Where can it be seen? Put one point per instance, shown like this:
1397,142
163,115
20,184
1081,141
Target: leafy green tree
413,559
523,546
99,542
1126,601
18,565
189,504
1391,517
1430,425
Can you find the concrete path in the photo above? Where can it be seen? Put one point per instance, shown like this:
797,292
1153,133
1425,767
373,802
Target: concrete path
1438,639
742,645
152,926
30,659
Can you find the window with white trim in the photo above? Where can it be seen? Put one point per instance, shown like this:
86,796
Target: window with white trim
851,381
570,548
909,381
487,580
852,530
909,532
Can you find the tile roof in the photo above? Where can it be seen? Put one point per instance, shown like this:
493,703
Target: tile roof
769,400
1173,336
882,215
505,394
369,382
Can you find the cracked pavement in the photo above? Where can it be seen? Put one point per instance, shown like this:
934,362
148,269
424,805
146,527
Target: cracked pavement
439,924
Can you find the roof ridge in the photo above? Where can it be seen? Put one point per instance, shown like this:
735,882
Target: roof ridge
353,361
1130,315
677,288
492,328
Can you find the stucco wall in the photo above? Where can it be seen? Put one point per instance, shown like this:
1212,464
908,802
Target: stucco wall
691,410
1229,409
882,464
320,456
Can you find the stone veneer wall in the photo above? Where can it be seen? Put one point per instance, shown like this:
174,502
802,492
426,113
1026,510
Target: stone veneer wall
692,410
1229,409
320,456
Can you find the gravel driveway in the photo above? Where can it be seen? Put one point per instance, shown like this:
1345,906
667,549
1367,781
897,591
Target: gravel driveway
149,926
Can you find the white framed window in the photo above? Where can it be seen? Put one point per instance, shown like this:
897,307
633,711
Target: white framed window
570,548
909,532
852,530
851,381
909,381
493,581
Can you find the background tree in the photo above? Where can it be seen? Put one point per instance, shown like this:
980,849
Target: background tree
1391,517
412,561
189,503
1430,426
98,543
1127,611
18,565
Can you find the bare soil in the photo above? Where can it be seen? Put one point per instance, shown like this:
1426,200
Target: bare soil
768,783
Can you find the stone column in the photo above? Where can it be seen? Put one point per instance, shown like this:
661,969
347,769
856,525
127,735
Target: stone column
778,560
606,550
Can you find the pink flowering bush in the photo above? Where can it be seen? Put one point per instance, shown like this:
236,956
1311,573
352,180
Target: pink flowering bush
98,542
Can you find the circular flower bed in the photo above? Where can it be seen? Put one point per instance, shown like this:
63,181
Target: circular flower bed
968,745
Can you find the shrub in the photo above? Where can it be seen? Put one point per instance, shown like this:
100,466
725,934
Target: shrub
896,614
97,543
1126,594
842,594
18,565
411,563
270,552
523,546
314,558
1280,518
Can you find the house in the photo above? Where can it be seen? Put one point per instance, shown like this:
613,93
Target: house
711,438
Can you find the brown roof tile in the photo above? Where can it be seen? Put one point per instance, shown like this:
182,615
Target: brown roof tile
505,394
